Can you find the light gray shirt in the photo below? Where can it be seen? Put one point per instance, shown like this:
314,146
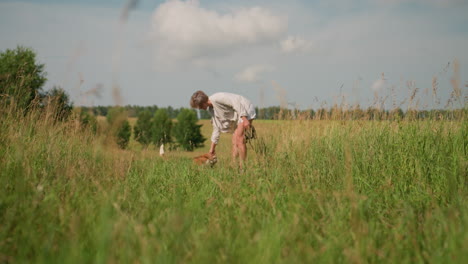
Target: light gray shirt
227,111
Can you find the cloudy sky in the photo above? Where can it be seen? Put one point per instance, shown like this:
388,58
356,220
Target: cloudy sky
298,53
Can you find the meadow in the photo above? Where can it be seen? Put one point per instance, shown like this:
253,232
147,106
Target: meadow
314,191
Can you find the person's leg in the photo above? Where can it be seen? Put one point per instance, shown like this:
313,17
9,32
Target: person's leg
235,151
240,143
243,144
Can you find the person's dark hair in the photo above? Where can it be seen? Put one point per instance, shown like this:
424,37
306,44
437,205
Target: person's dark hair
198,98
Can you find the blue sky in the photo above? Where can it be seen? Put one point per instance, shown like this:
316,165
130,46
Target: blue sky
303,53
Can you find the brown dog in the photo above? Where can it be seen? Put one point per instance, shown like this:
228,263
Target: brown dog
206,159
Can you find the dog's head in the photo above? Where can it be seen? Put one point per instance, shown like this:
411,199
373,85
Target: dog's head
206,159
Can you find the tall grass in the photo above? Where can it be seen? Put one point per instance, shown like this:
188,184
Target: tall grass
314,191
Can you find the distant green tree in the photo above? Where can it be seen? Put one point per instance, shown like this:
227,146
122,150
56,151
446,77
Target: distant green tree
131,110
187,131
58,101
170,112
124,133
142,129
88,120
101,110
120,127
397,114
161,127
21,77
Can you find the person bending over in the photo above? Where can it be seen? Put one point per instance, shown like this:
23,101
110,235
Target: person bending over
230,113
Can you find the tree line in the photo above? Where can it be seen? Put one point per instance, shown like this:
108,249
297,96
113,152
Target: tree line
158,129
279,113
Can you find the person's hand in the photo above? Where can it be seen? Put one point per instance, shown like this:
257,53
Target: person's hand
212,153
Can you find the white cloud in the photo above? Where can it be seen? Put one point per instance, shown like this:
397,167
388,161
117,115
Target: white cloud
295,44
182,30
252,73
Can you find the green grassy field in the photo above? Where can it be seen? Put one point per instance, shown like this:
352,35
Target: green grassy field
314,191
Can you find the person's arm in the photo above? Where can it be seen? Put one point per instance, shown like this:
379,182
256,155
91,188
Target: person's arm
245,122
214,138
213,148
